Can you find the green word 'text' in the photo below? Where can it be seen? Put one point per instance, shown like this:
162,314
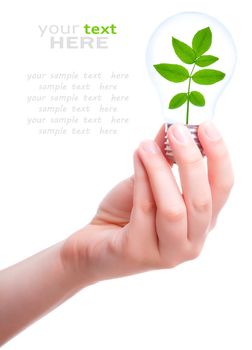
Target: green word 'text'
99,29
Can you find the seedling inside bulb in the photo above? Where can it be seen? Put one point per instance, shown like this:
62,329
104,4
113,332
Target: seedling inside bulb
193,55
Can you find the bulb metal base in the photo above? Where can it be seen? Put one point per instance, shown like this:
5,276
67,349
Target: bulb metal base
194,132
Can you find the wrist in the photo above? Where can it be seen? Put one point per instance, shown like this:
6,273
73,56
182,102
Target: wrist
74,262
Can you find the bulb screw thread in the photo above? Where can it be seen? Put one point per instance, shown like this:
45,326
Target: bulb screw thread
194,132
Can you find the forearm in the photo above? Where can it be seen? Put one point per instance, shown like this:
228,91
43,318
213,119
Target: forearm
32,288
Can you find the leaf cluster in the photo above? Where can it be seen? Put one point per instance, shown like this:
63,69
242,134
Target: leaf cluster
192,55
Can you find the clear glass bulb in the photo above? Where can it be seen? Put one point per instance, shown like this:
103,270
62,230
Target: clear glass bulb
161,50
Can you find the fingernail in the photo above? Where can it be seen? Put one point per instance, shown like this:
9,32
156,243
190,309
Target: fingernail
211,131
181,134
150,147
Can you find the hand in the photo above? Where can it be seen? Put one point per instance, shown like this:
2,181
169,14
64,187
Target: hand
145,222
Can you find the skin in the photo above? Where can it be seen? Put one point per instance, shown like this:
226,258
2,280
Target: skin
143,223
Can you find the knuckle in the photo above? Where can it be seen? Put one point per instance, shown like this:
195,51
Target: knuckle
173,214
147,206
145,261
192,161
194,252
202,205
225,186
169,263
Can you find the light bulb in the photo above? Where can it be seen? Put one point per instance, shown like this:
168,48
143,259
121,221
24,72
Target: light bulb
190,58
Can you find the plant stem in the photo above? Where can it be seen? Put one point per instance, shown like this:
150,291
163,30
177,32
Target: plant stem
188,92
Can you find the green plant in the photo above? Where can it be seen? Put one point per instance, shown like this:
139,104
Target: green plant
194,56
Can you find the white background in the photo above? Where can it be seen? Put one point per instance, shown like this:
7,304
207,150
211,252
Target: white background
49,189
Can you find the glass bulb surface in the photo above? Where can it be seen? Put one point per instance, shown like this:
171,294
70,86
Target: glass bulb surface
160,50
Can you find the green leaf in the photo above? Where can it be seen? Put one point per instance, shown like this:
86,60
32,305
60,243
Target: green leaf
207,76
172,72
178,100
206,60
183,51
197,99
202,41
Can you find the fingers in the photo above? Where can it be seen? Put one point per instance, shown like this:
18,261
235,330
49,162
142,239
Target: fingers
177,224
194,182
171,221
220,171
143,198
159,139
144,209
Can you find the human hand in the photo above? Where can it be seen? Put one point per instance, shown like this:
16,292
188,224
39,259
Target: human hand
145,222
